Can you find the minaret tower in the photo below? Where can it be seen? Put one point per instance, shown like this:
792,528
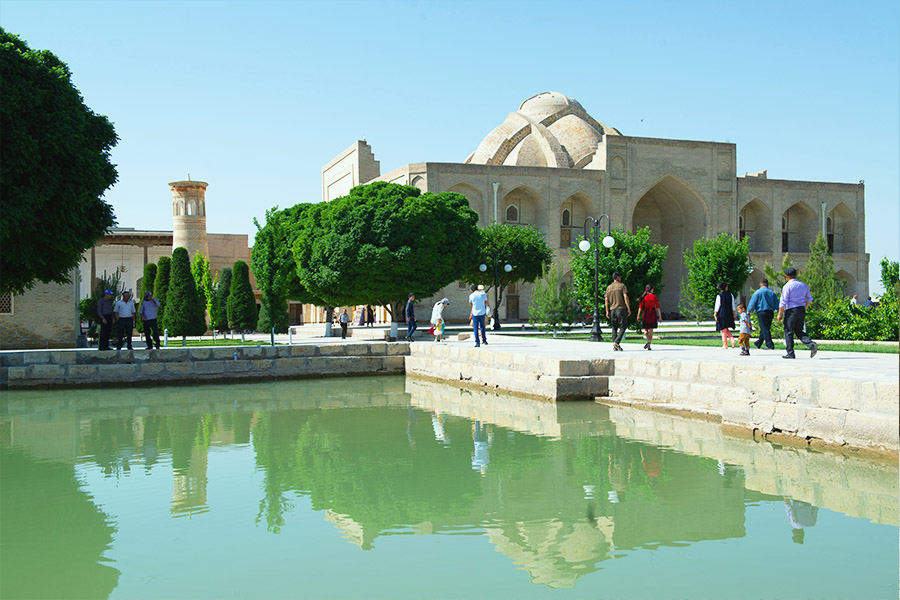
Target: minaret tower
189,216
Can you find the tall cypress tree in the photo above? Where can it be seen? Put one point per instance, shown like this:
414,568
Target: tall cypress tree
161,287
222,293
184,313
242,313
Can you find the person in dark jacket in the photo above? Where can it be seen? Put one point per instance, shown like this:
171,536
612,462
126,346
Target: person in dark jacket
410,312
105,314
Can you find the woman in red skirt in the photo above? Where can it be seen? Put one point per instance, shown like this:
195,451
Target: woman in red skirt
649,315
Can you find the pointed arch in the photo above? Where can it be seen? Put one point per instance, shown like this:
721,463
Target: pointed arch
799,227
529,205
756,225
475,198
677,216
842,237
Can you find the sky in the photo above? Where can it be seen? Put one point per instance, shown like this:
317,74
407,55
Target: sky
255,97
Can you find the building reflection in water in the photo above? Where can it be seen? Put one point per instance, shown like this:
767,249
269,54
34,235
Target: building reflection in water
559,489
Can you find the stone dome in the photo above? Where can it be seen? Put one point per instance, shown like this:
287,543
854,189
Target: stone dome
548,130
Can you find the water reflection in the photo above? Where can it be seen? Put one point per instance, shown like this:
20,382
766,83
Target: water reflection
558,489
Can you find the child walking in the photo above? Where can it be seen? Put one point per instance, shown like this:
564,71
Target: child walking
746,329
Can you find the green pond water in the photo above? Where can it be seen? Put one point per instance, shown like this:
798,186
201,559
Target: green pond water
388,487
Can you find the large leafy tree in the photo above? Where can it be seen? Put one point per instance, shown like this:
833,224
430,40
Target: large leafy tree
55,169
711,260
819,275
200,273
521,247
161,286
381,242
223,290
242,314
184,310
273,265
634,256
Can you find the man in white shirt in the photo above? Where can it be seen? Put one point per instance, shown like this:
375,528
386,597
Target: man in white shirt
479,303
123,315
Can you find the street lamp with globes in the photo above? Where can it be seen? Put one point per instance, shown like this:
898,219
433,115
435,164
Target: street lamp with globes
585,245
483,268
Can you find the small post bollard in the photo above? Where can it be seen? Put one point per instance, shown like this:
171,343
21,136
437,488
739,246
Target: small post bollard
273,336
166,338
290,336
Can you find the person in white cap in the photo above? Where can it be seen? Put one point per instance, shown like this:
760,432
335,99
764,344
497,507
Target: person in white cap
437,318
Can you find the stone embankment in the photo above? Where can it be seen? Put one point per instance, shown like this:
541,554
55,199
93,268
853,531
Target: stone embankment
77,368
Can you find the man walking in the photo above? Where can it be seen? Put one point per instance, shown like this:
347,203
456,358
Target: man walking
764,302
105,313
479,303
795,299
344,320
410,312
618,309
123,313
149,310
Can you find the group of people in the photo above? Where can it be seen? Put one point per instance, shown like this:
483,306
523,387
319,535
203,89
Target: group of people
791,310
791,307
479,310
121,314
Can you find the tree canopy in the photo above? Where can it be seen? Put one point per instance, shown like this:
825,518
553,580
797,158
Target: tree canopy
712,260
552,303
633,256
381,242
520,246
273,266
161,286
55,169
223,289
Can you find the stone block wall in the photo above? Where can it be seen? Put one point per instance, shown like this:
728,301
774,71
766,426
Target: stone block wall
794,408
19,370
42,317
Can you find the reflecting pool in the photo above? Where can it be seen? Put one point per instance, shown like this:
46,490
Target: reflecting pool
392,488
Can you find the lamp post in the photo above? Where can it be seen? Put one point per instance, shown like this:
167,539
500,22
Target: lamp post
483,268
585,245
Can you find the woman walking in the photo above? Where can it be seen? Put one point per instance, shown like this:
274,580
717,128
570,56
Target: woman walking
437,319
649,314
725,313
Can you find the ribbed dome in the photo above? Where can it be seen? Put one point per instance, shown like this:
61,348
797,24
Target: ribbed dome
548,130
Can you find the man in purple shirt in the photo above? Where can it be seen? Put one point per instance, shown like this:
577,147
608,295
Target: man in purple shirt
795,299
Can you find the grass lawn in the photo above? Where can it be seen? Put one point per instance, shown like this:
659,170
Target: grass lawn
714,341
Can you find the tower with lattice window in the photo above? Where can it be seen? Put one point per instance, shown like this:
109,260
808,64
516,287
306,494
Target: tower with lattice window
189,216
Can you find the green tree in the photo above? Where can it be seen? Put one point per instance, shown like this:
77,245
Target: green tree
223,290
890,278
161,287
242,313
211,287
184,312
200,272
55,169
147,282
639,261
712,260
691,306
521,247
777,278
381,242
824,284
552,304
274,268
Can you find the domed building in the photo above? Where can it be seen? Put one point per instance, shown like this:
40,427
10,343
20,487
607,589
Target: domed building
550,164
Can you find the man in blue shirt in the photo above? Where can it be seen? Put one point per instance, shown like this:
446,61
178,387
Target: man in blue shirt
764,303
795,299
410,312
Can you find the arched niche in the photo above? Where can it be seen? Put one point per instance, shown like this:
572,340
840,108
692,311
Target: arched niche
578,207
190,209
842,233
476,200
529,205
756,225
677,216
419,182
799,228
849,282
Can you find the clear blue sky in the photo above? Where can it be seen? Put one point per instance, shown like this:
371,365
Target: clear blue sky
254,97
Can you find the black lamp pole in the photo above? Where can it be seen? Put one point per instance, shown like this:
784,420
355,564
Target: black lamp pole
507,268
608,242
